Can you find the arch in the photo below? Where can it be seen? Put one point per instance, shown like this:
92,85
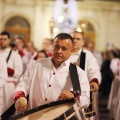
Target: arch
17,26
17,20
91,33
8,16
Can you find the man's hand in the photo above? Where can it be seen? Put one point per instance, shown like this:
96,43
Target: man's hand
65,95
96,86
21,104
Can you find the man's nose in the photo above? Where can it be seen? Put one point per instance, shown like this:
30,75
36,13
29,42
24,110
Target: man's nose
59,50
74,39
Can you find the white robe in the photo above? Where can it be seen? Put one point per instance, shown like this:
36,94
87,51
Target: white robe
42,73
32,58
25,59
92,70
114,66
3,79
15,63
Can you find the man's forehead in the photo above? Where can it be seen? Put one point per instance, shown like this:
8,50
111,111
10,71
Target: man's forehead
4,36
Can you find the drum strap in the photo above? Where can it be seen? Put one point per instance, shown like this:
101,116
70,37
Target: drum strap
74,79
8,56
82,60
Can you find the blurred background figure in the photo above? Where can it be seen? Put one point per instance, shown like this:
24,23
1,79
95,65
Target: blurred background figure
107,74
46,45
42,54
115,59
90,46
14,69
22,50
3,80
12,45
31,48
0,40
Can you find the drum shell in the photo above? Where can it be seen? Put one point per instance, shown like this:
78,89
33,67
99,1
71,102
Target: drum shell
90,110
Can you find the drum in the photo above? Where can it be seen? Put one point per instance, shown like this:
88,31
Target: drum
59,110
90,111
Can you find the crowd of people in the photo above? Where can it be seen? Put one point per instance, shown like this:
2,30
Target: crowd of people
25,70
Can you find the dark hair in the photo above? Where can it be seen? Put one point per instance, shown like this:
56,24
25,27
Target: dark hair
12,44
5,33
43,51
64,36
20,38
115,53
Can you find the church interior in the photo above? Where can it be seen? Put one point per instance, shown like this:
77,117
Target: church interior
99,20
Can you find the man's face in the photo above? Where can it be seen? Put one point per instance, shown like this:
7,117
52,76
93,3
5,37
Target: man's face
61,50
46,45
19,44
5,41
41,55
78,40
30,46
90,47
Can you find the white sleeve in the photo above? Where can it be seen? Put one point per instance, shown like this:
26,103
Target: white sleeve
85,88
25,80
3,72
93,69
114,66
18,66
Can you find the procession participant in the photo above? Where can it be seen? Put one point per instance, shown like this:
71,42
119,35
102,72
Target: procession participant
14,69
41,54
32,50
24,53
50,78
3,79
86,60
47,45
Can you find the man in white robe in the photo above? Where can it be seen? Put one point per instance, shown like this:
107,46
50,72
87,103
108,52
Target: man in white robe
14,69
23,52
48,79
3,79
91,66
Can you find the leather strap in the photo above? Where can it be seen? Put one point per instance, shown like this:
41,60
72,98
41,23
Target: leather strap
82,60
8,56
74,79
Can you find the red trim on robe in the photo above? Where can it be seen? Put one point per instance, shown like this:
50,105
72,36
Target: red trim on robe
10,71
49,54
35,58
94,80
21,53
18,95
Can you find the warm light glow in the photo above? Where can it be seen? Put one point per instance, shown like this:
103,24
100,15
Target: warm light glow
83,25
60,19
55,30
79,29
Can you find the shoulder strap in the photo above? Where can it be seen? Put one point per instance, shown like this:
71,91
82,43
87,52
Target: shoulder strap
8,56
82,60
74,79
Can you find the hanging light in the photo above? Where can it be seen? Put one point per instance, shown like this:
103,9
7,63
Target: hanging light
60,18
79,29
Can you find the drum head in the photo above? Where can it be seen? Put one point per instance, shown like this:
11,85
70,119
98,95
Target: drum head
46,112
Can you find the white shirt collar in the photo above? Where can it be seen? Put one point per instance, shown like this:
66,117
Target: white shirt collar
78,53
65,63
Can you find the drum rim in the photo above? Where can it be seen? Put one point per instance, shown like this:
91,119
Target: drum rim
23,114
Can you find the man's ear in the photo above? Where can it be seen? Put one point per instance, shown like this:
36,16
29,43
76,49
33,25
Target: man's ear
9,40
83,43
